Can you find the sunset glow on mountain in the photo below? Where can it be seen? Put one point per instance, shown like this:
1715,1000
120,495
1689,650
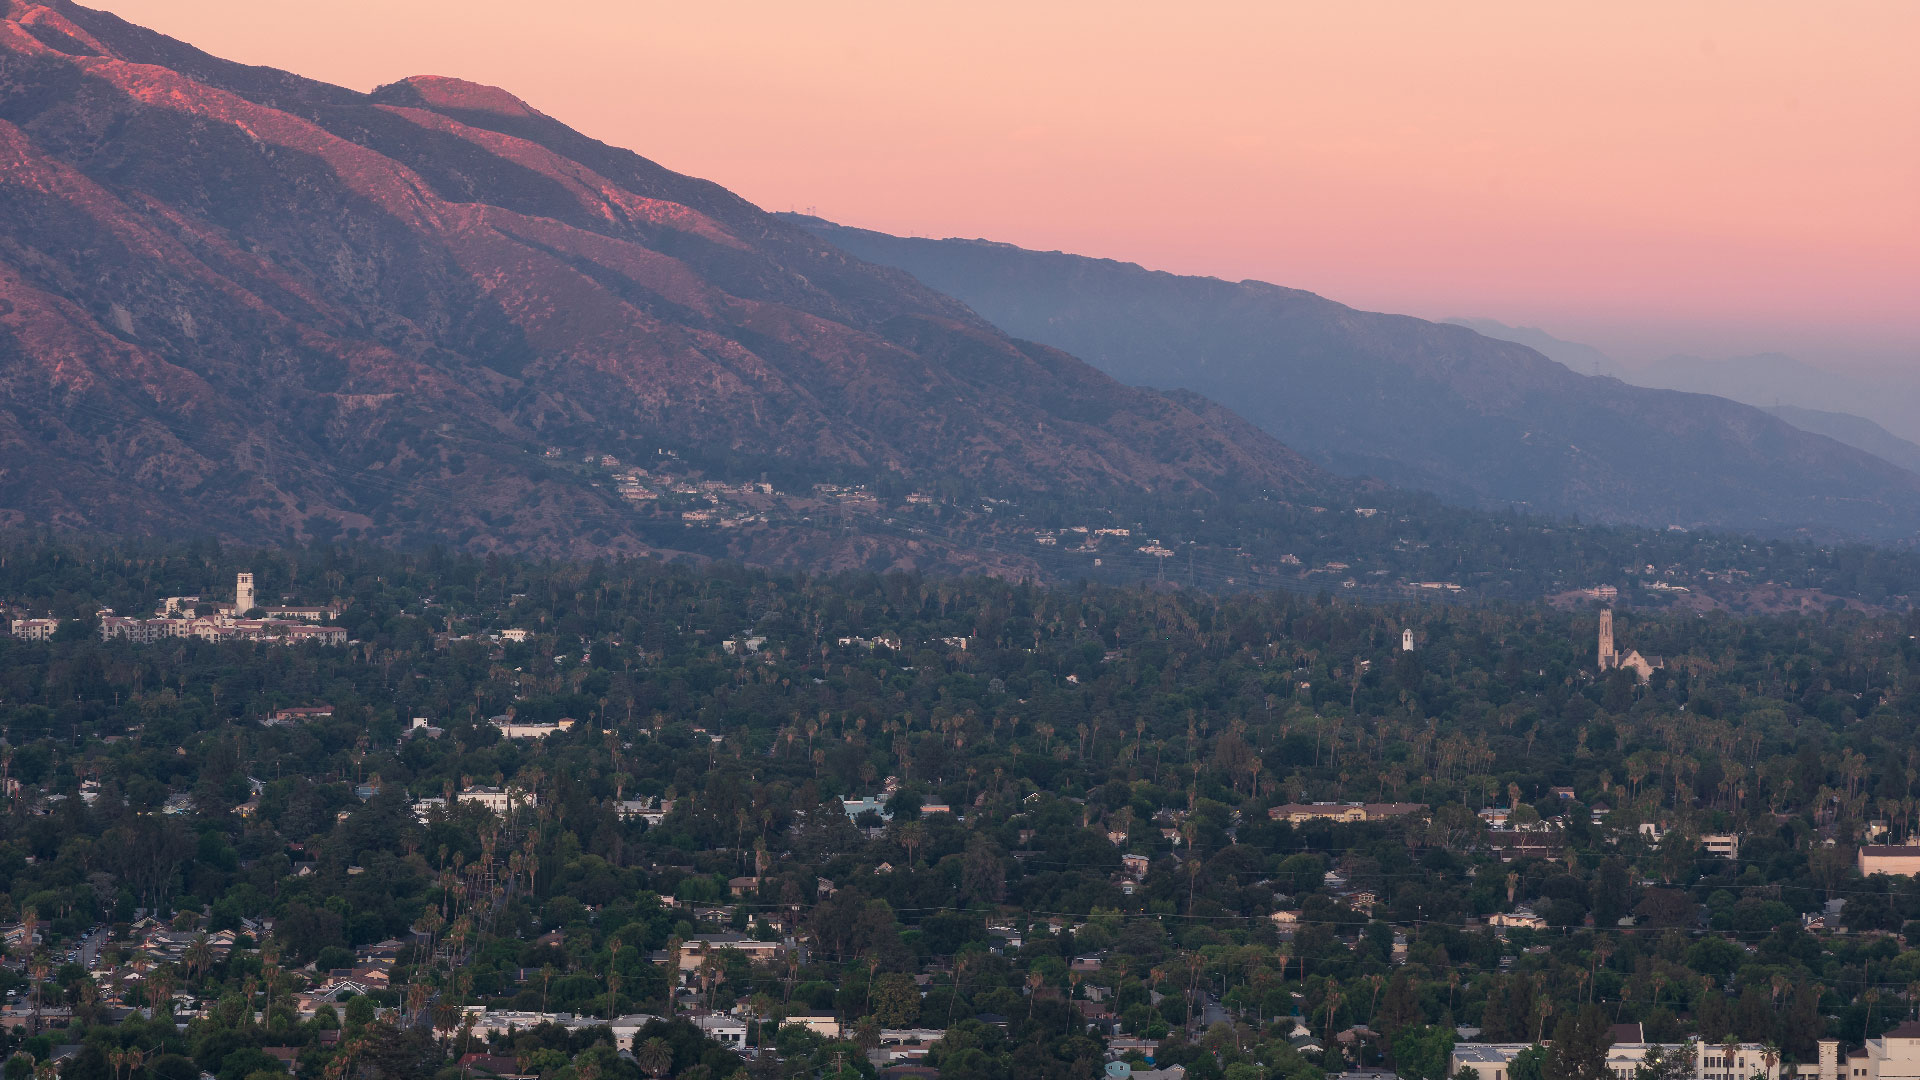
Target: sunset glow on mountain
1712,177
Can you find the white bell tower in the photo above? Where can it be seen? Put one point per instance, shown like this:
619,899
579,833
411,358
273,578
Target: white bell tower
243,595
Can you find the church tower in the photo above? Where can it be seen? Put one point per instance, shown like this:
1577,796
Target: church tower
1608,659
243,595
1406,640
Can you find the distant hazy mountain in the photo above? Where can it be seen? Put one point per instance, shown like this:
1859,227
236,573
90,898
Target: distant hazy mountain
1417,403
1583,359
1766,380
1856,431
1771,379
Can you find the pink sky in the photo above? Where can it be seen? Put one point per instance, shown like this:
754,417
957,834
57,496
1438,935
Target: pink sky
1716,177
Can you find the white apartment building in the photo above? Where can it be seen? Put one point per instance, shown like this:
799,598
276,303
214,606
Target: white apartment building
695,950
35,629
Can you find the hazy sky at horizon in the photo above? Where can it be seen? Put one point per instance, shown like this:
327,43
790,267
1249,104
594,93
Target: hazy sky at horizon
1708,177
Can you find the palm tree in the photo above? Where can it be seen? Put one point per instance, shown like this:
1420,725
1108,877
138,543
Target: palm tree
417,993
270,972
674,945
1333,1002
873,968
960,965
135,1060
446,1020
655,1057
712,974
160,990
39,973
199,955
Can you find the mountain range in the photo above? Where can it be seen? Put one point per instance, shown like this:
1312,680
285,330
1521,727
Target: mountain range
1578,357
240,301
1768,379
1863,411
1424,405
1856,431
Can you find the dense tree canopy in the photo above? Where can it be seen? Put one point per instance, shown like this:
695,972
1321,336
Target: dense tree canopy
1062,729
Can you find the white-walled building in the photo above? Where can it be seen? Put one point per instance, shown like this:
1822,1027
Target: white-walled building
828,1026
1519,917
510,729
1721,845
1494,1061
695,950
1893,1056
35,629
728,1031
176,619
498,800
1896,860
490,1022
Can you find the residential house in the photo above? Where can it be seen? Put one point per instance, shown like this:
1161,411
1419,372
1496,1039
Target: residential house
1522,917
499,800
728,1031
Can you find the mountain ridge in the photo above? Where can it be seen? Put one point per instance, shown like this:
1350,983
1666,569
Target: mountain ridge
1424,405
243,301
1856,431
1721,378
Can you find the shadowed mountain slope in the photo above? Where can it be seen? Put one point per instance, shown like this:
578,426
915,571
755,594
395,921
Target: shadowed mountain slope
1420,404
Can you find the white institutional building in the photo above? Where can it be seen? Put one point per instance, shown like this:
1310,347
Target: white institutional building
176,618
1494,1061
1893,1056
